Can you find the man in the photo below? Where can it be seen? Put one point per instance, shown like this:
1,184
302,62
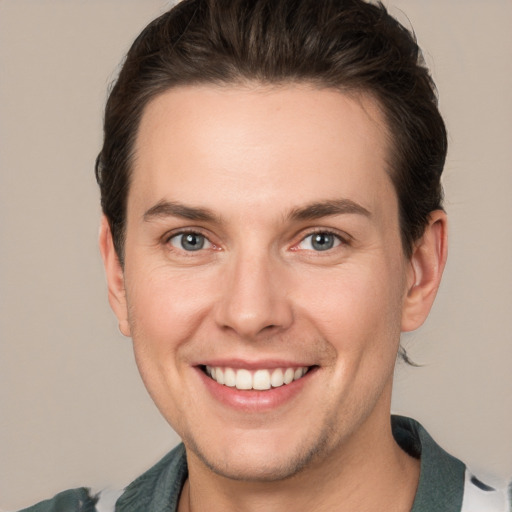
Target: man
270,182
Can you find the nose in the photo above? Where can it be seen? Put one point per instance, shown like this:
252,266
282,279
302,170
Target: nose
254,301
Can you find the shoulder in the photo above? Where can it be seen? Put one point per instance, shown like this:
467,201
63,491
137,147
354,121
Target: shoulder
73,500
157,489
445,482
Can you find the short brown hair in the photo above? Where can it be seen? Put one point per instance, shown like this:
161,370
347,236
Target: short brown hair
349,45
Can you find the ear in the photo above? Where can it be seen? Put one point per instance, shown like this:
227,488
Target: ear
425,270
115,277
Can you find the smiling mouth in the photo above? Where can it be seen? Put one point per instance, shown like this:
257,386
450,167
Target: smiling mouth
260,380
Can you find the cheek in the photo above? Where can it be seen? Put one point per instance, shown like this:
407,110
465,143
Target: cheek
165,308
355,306
165,311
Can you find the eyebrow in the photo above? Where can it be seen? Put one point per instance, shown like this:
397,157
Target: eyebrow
311,211
174,209
328,208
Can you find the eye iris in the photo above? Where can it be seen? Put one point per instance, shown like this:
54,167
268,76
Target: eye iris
322,241
192,242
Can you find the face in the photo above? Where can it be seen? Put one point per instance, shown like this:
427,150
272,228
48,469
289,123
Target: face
264,283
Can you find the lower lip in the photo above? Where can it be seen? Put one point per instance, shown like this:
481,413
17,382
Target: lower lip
254,400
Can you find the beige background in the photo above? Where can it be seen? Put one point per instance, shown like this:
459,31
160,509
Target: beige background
72,409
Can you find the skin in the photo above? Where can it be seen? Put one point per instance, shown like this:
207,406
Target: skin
252,157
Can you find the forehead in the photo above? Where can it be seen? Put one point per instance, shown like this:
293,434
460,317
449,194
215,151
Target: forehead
258,145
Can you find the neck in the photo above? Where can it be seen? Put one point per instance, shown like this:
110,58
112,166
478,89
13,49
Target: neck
369,472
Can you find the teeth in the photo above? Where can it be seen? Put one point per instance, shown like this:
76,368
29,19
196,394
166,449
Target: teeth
288,375
277,378
229,377
243,379
260,379
298,374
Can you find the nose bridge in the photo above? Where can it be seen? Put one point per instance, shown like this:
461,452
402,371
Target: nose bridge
254,297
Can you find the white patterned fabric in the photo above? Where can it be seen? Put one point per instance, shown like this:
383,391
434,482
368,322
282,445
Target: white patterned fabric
479,497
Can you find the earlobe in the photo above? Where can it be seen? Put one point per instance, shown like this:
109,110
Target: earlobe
425,270
115,277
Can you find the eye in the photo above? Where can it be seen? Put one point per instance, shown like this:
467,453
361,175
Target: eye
190,241
320,241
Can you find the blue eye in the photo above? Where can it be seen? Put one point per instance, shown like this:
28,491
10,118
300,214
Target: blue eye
189,241
321,241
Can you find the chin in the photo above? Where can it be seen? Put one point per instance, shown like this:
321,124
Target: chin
259,461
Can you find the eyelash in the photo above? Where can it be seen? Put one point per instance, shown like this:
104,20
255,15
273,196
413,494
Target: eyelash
339,240
182,233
